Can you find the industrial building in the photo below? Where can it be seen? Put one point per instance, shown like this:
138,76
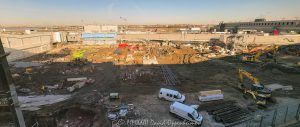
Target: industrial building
100,34
283,26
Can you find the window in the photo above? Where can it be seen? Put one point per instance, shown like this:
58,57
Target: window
179,96
292,23
171,95
189,115
168,94
287,23
195,114
160,93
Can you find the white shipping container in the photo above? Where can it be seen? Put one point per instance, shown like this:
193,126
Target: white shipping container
56,37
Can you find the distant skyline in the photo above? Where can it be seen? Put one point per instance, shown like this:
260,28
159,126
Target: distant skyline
79,12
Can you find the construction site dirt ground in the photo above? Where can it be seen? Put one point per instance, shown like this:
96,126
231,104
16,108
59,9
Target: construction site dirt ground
90,104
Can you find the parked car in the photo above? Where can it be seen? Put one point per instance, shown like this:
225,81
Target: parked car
186,112
171,95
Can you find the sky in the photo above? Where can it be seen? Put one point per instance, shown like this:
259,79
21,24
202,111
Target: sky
79,12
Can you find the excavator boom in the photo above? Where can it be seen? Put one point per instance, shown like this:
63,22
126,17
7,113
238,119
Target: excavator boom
256,57
243,73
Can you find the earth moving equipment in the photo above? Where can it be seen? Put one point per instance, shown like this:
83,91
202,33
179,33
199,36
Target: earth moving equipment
255,57
78,58
257,90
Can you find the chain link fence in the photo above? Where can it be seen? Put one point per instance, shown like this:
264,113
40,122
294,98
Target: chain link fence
279,117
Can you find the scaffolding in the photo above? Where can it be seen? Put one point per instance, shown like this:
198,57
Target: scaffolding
8,92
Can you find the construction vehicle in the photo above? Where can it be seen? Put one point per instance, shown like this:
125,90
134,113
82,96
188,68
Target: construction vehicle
255,57
257,90
78,58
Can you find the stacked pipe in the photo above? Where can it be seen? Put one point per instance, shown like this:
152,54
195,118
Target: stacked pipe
169,76
227,112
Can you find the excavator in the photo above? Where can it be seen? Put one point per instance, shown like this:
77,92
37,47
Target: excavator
257,90
270,52
78,58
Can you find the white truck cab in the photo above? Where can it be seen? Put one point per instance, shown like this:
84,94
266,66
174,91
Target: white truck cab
186,112
171,95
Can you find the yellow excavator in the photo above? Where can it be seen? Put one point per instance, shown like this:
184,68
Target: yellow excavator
78,58
270,55
257,90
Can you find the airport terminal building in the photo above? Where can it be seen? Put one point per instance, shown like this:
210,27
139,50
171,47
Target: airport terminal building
283,26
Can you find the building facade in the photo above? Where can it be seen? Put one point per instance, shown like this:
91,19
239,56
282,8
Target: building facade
99,34
283,26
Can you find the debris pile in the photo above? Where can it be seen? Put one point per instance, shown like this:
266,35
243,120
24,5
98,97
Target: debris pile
121,112
137,75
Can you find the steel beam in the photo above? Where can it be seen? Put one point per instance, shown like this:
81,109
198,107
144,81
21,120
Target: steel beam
7,86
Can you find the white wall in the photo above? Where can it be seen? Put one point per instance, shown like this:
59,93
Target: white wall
22,46
100,28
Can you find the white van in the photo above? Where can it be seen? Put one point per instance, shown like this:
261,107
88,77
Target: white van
170,95
186,112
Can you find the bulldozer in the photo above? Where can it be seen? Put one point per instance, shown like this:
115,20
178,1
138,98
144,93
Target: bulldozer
270,52
257,90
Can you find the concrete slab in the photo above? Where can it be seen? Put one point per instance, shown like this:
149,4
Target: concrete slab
275,86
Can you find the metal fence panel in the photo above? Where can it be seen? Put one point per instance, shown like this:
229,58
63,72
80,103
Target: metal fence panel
278,117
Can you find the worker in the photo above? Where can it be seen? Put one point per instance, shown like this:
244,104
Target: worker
44,89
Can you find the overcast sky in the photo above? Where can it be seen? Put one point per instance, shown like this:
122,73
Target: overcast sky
77,12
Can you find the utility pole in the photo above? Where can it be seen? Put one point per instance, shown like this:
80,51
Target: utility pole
9,96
